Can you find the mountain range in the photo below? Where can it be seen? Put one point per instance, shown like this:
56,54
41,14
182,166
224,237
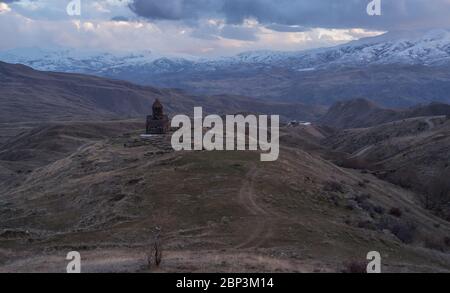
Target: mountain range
396,69
29,95
431,48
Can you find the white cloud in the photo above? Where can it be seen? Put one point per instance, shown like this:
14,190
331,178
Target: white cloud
164,37
209,37
4,8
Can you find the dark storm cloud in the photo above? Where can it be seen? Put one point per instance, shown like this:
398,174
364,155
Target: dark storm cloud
239,33
120,18
307,13
175,9
287,28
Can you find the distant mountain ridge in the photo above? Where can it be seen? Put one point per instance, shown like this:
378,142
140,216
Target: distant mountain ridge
29,95
397,69
431,48
361,113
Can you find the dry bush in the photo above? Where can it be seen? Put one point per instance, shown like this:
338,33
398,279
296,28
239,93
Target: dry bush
406,177
379,210
154,257
332,186
355,267
447,241
396,212
358,164
367,225
405,231
435,244
363,183
437,197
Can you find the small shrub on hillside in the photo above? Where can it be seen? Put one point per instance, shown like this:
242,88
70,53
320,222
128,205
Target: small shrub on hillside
154,257
447,241
362,198
354,164
405,232
437,195
332,186
379,210
435,244
367,225
363,183
396,212
355,267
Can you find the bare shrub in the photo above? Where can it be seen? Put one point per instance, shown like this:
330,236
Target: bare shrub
364,203
355,163
396,212
355,267
435,244
437,196
154,257
379,210
332,186
406,177
447,241
403,230
367,225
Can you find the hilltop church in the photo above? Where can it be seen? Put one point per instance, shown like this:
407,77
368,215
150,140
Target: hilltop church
158,123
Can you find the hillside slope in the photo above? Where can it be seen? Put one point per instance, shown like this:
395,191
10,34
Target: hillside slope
413,153
29,95
227,212
360,113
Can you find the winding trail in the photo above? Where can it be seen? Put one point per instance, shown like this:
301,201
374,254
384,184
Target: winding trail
362,152
263,227
432,123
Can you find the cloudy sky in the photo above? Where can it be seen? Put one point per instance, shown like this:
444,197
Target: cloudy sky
209,27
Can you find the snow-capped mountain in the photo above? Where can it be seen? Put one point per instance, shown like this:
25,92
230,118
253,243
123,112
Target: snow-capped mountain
430,48
397,69
87,61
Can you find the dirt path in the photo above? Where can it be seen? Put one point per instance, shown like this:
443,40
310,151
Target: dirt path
362,152
430,121
264,227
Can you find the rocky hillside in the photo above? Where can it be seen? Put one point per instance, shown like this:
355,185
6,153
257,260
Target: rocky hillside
413,153
109,197
361,113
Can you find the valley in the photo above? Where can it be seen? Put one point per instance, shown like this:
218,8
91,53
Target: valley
225,136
